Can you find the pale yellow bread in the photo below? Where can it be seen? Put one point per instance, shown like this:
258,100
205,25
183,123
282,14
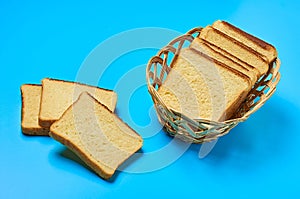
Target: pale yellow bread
235,59
204,47
235,48
251,41
96,135
58,95
201,87
31,96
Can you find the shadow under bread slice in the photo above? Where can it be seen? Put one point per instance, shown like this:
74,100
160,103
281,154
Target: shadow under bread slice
202,87
205,48
236,48
258,45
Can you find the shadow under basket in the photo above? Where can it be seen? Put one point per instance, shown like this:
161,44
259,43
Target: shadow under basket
202,130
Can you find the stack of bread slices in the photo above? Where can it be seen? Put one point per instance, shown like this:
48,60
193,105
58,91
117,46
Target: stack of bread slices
81,117
213,76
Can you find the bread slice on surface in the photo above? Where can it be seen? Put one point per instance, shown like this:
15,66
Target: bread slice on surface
235,48
31,96
204,47
58,95
96,135
251,41
201,87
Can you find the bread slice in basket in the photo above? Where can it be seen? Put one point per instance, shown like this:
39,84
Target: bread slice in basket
258,45
58,95
232,57
96,135
236,48
202,46
199,86
31,96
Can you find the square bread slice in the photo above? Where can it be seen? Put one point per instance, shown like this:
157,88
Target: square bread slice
204,47
31,97
253,42
201,87
96,135
234,59
235,48
58,95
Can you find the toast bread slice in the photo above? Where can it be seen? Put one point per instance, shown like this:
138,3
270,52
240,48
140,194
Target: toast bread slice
251,41
236,94
235,59
58,95
204,47
236,48
201,87
31,97
98,136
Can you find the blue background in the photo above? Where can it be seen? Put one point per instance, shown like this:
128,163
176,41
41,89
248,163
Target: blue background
259,158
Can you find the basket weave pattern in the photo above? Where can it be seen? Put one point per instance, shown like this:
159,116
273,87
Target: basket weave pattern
201,130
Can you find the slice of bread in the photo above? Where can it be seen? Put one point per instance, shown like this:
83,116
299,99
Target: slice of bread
201,87
255,43
235,48
58,95
31,96
96,135
204,47
235,59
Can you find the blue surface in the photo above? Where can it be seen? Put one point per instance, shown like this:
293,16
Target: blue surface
260,158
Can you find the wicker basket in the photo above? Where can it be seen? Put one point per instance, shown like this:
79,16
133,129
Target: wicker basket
201,130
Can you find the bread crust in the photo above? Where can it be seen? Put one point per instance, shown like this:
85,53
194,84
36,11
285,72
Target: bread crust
78,83
217,53
254,39
211,59
255,53
214,36
47,122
